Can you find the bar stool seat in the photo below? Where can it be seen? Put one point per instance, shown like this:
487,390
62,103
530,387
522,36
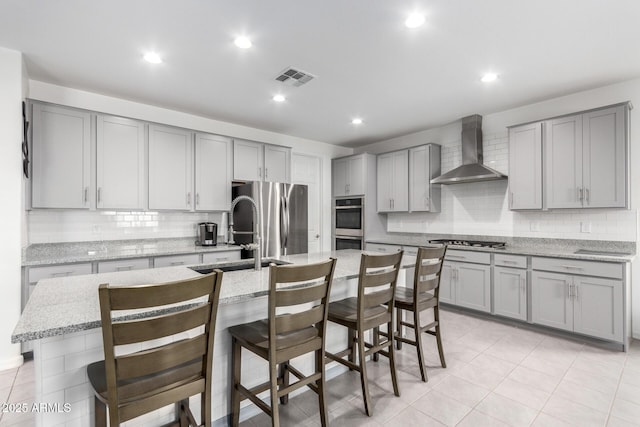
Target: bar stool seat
255,337
404,299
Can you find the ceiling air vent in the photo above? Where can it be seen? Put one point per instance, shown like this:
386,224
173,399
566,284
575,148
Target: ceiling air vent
294,77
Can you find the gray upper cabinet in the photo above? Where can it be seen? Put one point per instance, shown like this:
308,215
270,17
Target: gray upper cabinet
348,175
170,168
120,161
213,163
393,181
424,165
61,155
525,167
254,161
586,160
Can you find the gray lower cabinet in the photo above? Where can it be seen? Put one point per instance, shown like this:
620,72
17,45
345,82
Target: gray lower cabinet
579,303
467,284
510,292
123,265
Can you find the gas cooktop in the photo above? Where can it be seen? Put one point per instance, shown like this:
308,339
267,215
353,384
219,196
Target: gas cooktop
474,243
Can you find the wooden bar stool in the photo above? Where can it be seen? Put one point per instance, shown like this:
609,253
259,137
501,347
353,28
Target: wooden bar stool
372,308
136,383
284,336
424,295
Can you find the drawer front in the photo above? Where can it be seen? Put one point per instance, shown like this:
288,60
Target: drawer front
175,260
381,248
38,273
221,256
123,265
468,256
573,266
514,261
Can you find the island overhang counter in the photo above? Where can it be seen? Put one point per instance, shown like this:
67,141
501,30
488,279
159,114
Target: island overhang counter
62,319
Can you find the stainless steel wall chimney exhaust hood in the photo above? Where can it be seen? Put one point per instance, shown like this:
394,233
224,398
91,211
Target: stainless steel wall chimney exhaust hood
472,169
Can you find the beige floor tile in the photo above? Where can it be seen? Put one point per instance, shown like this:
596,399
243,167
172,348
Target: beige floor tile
412,417
350,416
25,392
631,375
598,400
484,377
535,379
488,362
460,351
442,408
461,390
626,410
385,405
574,413
545,420
619,422
476,418
589,379
510,349
522,393
544,365
507,410
629,392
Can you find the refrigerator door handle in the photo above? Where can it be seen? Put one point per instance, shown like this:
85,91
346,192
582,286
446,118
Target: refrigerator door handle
284,212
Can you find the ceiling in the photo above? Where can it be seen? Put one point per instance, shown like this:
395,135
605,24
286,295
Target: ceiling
367,63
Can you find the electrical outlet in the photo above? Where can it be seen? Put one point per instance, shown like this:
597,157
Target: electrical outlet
585,227
534,226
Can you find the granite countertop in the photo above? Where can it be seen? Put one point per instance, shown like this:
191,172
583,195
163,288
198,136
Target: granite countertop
70,304
63,253
611,251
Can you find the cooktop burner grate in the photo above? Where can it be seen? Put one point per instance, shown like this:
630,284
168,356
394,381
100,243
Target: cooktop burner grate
474,243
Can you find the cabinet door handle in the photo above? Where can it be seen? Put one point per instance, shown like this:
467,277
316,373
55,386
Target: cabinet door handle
586,194
99,194
125,268
266,173
523,285
86,191
189,198
198,199
571,267
348,185
580,193
259,172
575,291
62,274
569,293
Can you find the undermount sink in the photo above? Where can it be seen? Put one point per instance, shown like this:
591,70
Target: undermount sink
236,266
604,253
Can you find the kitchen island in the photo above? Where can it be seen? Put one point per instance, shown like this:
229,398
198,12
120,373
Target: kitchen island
62,319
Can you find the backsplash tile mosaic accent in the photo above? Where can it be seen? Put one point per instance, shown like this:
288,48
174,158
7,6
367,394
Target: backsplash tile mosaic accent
49,226
482,208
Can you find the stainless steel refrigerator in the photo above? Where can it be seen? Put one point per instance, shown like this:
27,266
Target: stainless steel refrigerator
283,211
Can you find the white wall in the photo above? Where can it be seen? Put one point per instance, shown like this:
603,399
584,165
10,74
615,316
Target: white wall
65,226
11,91
481,208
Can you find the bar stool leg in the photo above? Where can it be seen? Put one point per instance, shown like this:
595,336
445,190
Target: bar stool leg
351,339
100,413
418,334
363,376
436,316
283,374
322,401
392,360
376,341
273,379
399,327
235,394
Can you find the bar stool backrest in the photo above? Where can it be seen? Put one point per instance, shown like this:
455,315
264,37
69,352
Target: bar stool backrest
428,270
377,284
143,380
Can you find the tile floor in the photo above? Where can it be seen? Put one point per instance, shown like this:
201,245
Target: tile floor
496,375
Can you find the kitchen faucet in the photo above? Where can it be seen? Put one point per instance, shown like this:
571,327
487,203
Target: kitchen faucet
257,253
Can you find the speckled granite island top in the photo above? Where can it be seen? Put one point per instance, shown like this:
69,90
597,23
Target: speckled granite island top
611,251
70,304
62,253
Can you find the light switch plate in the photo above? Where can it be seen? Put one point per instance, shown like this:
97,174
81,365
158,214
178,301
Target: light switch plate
585,227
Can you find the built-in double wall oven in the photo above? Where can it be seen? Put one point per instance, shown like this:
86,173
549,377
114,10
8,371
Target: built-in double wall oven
349,223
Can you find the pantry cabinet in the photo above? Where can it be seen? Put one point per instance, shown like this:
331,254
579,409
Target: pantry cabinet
586,160
61,158
525,167
349,175
213,175
393,181
254,161
170,168
120,163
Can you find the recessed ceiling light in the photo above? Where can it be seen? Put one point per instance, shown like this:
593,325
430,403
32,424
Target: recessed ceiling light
279,98
414,20
243,42
489,77
356,121
152,57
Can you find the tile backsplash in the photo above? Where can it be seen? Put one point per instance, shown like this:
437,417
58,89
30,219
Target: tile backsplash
49,226
482,208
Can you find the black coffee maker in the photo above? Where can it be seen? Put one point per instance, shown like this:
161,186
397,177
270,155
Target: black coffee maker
207,234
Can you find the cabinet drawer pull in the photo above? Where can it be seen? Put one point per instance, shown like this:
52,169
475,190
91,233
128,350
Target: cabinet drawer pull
575,291
456,256
62,274
124,268
571,267
177,263
222,259
508,261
